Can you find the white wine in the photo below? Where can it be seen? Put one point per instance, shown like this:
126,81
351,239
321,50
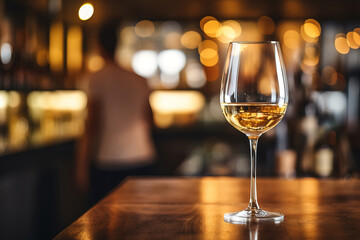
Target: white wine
253,119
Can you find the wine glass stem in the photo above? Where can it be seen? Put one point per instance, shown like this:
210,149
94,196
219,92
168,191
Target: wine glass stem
253,204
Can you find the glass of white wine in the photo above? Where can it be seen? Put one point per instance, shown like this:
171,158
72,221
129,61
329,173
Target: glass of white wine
254,97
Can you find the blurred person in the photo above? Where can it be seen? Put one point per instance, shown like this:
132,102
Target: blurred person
117,139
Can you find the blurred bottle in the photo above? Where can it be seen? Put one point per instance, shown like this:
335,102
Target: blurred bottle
285,165
308,127
324,162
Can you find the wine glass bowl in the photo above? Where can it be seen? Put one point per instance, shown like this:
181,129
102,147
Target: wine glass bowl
253,98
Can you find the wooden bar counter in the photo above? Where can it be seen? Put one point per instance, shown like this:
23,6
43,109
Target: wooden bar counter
193,208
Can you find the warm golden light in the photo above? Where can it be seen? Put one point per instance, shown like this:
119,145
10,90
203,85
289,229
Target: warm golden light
204,20
127,35
311,62
175,107
207,44
265,86
211,28
209,62
176,101
306,37
312,28
14,99
312,50
266,25
334,78
309,187
42,57
95,63
235,26
56,45
86,11
341,44
124,56
208,53
4,100
357,36
291,39
74,49
190,39
226,34
144,28
353,38
58,100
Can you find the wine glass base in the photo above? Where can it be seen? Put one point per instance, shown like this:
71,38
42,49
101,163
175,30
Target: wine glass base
253,216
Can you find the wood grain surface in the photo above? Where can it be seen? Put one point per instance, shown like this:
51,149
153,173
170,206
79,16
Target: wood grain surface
193,208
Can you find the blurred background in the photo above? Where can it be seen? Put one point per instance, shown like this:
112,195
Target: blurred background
47,46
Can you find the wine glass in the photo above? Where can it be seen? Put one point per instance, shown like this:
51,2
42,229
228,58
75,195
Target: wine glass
253,98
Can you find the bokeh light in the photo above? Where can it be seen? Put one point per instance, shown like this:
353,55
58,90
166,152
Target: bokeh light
169,80
204,20
292,39
234,25
74,54
56,47
341,44
42,57
225,34
144,28
229,31
177,101
5,53
207,44
266,25
305,35
127,35
4,99
209,62
211,28
170,27
14,99
144,63
357,36
353,40
69,100
195,75
312,54
95,63
123,56
172,40
86,11
312,28
171,61
190,39
311,62
312,50
208,51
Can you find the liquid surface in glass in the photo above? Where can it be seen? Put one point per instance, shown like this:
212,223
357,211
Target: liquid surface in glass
253,119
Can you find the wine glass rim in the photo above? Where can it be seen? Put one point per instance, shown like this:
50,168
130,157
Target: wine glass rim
255,42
